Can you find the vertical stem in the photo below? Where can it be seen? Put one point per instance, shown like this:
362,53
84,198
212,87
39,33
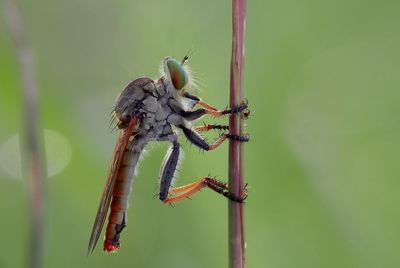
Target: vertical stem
32,157
236,183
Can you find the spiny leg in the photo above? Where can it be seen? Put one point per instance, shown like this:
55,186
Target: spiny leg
242,107
184,192
208,127
210,110
195,114
194,185
222,137
245,112
200,142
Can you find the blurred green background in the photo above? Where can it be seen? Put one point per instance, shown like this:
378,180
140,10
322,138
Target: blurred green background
322,78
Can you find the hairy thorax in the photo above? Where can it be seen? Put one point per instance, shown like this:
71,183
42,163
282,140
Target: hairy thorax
148,100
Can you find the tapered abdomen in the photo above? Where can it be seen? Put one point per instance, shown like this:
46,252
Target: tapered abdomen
120,199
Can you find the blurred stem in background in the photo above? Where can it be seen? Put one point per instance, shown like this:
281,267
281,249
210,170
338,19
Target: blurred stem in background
34,167
236,183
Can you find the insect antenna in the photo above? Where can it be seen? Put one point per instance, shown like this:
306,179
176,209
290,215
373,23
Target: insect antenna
184,60
190,53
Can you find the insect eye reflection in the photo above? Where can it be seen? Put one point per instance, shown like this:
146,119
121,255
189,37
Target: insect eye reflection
177,73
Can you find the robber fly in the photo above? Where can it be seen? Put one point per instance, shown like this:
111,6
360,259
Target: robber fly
152,110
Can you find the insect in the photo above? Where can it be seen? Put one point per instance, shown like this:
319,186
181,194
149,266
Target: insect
153,110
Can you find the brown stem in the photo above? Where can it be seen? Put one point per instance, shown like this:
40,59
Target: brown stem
32,159
236,183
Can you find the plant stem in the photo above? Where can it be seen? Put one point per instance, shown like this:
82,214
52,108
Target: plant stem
236,183
32,157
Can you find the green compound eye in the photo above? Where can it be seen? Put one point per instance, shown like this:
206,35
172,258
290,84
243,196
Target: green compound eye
177,73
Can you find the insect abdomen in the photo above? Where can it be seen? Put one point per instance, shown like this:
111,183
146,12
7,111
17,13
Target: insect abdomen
120,201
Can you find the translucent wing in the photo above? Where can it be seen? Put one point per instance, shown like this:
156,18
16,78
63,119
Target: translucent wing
119,151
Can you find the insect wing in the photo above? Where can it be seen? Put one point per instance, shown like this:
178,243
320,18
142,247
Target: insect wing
119,151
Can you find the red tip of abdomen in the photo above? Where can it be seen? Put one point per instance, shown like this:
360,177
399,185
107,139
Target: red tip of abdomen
110,247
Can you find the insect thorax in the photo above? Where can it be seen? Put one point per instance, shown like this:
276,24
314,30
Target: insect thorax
148,100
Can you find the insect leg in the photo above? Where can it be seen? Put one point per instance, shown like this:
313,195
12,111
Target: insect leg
168,169
199,101
196,114
209,127
199,141
183,192
214,111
